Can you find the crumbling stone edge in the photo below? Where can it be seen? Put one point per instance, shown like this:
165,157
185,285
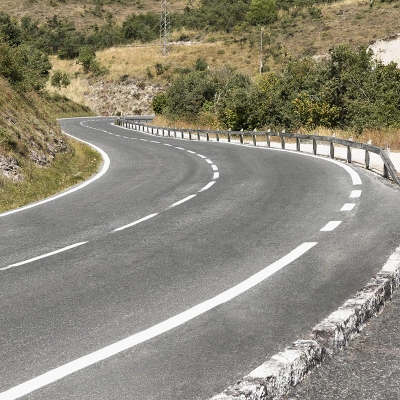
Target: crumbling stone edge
286,369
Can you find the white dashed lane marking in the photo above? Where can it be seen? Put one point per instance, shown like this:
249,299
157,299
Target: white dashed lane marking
43,256
348,207
355,194
330,226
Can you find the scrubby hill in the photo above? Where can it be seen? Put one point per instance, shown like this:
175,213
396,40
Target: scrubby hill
36,158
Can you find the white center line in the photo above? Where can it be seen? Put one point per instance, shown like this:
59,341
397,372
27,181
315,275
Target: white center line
330,226
182,201
348,207
355,194
154,331
200,155
214,167
209,161
216,175
72,246
207,186
135,222
179,148
191,152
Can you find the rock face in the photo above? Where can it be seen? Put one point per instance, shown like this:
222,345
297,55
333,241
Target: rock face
128,96
9,168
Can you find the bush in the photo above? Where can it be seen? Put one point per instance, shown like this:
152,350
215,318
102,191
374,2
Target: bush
60,79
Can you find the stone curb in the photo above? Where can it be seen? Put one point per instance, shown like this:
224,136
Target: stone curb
286,369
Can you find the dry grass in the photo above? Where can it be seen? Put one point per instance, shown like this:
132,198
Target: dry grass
67,170
83,12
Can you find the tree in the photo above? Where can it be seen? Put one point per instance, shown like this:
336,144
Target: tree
87,56
60,79
262,12
25,67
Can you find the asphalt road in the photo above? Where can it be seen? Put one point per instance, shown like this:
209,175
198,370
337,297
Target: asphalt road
98,276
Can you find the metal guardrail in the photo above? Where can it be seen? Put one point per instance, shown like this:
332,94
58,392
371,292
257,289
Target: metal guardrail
389,170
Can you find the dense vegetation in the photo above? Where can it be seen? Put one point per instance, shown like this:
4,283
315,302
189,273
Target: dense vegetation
349,90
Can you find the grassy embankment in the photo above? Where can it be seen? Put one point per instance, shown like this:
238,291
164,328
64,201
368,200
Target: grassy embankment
43,160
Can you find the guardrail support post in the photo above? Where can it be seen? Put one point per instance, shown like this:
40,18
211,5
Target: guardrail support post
331,150
314,147
198,136
367,159
298,144
217,136
190,135
182,135
254,140
241,138
207,136
283,142
229,137
385,171
349,154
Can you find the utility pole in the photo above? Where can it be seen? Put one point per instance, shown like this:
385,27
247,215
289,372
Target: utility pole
165,25
261,51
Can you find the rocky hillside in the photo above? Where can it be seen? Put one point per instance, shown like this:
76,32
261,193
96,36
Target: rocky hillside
29,132
129,96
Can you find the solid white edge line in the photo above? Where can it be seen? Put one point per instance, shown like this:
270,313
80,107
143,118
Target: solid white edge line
106,165
72,246
156,330
355,194
182,201
207,186
330,226
348,207
135,222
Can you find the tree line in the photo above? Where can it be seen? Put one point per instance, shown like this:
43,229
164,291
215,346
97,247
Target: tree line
349,90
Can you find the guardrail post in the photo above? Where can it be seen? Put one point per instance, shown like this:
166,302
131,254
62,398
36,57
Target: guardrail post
254,140
229,137
190,135
314,147
367,159
349,154
241,138
268,139
217,136
198,136
283,142
298,144
182,134
331,150
207,136
385,171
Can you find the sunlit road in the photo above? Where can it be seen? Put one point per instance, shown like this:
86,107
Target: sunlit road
146,283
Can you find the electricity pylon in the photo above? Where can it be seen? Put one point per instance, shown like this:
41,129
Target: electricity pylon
165,26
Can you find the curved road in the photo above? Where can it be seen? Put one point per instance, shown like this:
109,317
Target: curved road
146,283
